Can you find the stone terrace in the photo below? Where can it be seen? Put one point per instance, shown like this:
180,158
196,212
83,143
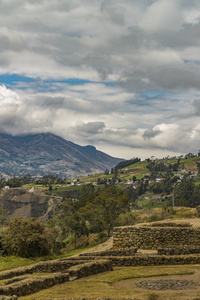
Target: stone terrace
173,244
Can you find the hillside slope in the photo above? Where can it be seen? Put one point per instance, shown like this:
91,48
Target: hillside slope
21,202
47,153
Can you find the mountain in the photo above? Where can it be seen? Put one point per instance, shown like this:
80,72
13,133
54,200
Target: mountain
46,153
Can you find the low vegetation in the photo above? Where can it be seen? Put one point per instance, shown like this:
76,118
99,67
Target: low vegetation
112,284
26,238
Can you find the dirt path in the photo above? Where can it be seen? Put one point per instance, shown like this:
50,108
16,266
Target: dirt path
102,247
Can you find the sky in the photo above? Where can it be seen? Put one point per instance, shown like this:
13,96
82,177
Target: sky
123,76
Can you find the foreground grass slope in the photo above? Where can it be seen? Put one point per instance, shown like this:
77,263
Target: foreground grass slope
120,283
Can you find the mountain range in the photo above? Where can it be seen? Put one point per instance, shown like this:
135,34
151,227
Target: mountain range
46,153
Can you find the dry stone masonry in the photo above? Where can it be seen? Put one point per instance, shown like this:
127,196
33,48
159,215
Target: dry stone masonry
176,244
169,284
154,236
84,298
22,283
113,252
179,250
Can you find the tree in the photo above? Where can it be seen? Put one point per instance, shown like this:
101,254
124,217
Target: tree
94,211
111,202
14,182
127,163
195,198
70,218
48,180
3,215
2,182
184,191
198,167
134,178
106,172
27,179
27,238
132,194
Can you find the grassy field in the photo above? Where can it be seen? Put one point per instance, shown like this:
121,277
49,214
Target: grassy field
119,283
10,262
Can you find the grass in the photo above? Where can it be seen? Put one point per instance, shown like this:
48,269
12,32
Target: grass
147,203
185,212
10,262
40,186
140,272
108,285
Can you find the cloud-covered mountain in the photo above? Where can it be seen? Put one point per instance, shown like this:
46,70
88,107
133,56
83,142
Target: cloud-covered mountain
47,153
121,75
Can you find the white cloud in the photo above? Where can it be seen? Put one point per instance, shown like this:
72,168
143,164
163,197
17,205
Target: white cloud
140,45
163,16
75,119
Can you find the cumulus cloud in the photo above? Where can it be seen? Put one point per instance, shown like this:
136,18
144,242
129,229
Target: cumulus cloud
139,62
99,40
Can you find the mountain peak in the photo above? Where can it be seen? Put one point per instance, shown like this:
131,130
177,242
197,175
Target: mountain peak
47,153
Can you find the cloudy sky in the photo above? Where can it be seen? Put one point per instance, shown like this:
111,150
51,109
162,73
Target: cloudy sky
123,76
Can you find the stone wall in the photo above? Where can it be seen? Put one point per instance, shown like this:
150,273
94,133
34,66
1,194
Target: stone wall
33,284
3,297
90,268
29,284
155,260
43,267
169,224
179,250
113,252
146,237
93,298
150,260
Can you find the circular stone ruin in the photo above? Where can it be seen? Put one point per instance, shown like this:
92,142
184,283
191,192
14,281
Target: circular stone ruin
169,284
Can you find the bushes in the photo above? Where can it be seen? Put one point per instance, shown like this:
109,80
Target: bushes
27,238
2,251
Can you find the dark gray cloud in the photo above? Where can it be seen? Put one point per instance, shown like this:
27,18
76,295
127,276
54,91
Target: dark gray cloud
90,128
110,39
150,133
139,46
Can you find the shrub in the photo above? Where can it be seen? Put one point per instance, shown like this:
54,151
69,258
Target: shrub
27,238
126,219
152,296
154,218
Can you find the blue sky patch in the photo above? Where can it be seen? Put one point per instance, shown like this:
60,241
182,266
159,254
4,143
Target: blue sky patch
13,79
152,94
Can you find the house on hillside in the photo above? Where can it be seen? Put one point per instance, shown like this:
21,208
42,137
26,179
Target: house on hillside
159,179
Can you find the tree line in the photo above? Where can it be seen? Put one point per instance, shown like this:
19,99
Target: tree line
95,211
